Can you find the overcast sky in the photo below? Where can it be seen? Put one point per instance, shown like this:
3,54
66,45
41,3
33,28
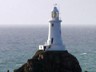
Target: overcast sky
37,12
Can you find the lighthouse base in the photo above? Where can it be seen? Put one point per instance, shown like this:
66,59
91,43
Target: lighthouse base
51,61
52,47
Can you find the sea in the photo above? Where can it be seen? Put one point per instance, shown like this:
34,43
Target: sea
18,44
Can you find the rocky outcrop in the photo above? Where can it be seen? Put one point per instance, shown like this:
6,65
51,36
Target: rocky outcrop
51,61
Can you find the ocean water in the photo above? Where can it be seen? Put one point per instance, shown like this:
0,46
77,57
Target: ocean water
17,45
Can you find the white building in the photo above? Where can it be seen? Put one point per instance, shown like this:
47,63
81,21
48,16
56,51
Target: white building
54,42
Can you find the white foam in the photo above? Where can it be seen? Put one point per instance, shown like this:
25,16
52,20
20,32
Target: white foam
83,53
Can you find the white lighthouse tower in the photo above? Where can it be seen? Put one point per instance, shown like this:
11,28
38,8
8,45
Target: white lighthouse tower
54,42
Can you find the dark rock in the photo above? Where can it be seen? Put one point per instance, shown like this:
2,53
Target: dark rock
7,70
51,61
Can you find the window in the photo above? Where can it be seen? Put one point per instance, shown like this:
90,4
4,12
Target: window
60,31
52,24
52,41
44,48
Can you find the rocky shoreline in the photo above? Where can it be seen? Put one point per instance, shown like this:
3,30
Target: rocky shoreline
51,61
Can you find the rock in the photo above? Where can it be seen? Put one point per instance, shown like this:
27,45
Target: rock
7,70
51,61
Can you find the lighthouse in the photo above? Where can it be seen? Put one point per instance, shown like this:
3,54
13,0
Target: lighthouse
52,56
54,41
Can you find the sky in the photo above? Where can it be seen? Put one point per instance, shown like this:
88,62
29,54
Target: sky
38,12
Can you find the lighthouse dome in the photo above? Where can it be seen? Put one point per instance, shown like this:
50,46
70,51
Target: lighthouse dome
55,9
55,13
